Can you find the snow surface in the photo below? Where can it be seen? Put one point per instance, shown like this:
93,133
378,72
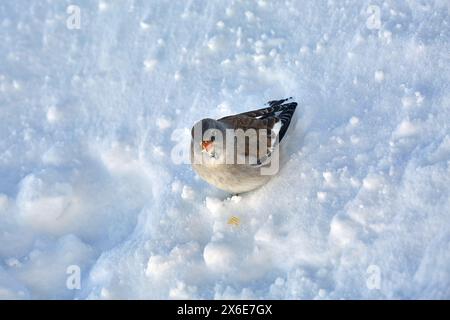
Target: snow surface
89,119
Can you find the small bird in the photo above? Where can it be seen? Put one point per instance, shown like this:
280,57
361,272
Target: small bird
240,153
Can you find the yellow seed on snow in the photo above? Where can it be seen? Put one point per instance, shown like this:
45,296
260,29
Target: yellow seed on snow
234,221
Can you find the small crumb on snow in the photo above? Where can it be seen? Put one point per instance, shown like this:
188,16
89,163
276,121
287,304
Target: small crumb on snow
235,221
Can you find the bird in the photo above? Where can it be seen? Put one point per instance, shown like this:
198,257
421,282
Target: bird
240,153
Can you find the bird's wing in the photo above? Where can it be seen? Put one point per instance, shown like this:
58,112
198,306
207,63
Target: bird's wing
278,111
275,119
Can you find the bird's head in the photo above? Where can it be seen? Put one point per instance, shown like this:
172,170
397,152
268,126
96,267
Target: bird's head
208,136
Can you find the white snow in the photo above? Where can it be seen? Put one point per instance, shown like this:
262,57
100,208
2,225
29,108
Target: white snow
150,64
405,129
379,76
187,193
95,120
220,257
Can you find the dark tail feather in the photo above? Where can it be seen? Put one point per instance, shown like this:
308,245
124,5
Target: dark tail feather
285,116
275,103
277,109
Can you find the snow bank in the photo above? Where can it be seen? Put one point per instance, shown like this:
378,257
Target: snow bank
92,118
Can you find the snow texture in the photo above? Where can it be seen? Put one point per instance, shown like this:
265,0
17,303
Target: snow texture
90,118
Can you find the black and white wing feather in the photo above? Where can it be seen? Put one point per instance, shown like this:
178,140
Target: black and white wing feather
276,117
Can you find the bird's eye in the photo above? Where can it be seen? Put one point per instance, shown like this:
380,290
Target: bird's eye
213,138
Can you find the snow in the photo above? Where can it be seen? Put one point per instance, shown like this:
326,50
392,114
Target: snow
95,120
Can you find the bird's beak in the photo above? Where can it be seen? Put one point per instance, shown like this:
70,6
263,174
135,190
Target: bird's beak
207,145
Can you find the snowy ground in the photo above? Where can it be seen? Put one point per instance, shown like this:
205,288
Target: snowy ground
89,118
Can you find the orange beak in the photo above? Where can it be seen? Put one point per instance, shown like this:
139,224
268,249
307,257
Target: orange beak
206,145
